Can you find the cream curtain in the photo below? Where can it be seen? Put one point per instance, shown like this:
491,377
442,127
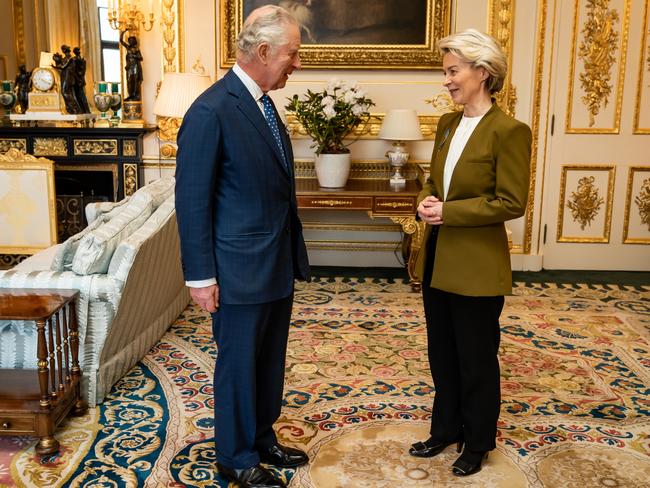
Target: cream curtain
90,45
62,24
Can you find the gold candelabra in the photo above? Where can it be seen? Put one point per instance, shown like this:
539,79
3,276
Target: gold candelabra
125,15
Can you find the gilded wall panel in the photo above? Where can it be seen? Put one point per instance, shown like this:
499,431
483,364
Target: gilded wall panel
642,100
585,210
599,47
636,226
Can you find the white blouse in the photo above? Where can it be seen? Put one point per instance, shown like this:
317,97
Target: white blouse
456,146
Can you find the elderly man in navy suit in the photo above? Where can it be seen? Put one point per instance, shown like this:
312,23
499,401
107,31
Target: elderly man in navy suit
242,244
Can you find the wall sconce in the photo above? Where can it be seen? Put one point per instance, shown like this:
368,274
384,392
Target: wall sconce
399,125
177,92
127,16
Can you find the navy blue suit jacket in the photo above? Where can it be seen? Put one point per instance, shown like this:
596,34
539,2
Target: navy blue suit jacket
235,200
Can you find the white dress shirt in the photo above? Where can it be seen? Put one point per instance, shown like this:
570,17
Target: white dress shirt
456,147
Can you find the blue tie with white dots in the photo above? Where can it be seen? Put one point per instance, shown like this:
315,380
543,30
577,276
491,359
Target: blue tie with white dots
269,113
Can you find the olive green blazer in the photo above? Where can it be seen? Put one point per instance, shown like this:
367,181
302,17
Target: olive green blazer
489,185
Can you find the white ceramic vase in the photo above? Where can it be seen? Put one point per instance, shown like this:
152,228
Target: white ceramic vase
332,170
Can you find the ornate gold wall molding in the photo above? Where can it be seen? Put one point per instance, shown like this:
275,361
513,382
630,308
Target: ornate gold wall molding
644,73
428,125
585,202
171,13
637,207
535,124
130,178
501,21
19,31
601,33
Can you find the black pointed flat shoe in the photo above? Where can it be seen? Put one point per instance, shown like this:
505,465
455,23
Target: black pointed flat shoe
469,462
431,447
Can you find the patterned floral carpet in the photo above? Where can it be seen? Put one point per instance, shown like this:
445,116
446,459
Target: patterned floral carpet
575,365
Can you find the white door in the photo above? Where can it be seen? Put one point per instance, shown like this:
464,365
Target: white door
596,200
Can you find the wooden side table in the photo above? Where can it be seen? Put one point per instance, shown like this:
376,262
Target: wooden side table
36,401
379,199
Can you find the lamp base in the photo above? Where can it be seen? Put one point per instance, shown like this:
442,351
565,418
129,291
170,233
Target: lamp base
398,158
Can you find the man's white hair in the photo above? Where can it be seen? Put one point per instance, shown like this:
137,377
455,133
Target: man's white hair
265,24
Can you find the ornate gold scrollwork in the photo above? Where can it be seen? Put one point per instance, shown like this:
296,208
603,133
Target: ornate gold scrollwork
370,130
394,204
597,51
167,132
129,147
106,147
15,155
443,103
169,35
642,201
415,229
130,179
19,31
585,202
501,27
6,144
331,203
50,146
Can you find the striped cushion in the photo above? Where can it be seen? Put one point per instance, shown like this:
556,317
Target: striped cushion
63,258
94,210
96,248
128,248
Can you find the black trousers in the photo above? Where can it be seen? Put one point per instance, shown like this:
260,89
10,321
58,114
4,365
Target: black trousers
463,341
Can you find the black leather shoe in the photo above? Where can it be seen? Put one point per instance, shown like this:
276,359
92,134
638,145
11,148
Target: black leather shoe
283,457
431,447
255,477
469,462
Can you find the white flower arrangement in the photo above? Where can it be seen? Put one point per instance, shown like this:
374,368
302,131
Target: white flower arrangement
330,115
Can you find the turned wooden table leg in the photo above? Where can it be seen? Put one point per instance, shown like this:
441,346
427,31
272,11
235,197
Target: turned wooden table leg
47,444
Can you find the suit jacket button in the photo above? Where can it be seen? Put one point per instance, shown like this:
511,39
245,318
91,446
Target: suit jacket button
288,230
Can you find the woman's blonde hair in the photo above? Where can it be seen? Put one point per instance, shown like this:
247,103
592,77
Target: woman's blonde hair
481,51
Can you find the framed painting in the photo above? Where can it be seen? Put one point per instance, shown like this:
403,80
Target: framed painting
365,34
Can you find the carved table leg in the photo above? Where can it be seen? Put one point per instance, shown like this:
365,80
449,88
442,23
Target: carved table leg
415,229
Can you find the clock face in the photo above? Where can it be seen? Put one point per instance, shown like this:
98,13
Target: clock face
42,79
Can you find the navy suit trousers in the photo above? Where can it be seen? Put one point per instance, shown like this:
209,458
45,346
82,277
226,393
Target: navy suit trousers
248,378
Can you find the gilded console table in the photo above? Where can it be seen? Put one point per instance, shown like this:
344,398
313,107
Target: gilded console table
376,197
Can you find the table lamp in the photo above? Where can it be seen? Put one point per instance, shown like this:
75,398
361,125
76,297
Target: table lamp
177,92
399,125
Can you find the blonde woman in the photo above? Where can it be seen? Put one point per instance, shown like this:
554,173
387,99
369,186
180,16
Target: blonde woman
478,180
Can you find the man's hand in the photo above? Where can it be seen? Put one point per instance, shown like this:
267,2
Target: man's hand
430,210
207,297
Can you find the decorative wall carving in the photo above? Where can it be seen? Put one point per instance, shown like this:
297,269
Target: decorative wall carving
585,202
19,31
50,146
636,224
597,51
129,147
642,201
130,179
107,147
602,50
586,214
501,22
172,35
10,143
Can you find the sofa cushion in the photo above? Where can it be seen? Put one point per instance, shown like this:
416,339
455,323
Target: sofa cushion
96,247
40,261
128,248
95,210
63,258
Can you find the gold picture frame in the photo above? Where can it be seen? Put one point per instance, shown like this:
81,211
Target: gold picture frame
380,53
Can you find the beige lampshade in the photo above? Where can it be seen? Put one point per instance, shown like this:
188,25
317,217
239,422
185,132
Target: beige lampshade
178,91
401,125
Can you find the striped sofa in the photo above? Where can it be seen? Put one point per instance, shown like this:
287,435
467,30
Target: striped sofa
126,264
